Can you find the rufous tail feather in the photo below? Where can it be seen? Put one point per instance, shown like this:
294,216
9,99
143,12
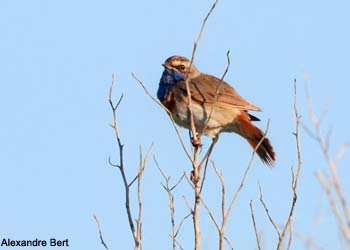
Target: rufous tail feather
254,135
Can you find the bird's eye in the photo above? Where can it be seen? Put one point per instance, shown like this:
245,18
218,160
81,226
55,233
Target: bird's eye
182,67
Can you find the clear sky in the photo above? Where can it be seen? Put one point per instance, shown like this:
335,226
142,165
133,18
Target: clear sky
56,62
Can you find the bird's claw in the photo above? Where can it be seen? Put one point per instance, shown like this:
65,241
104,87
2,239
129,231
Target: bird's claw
196,142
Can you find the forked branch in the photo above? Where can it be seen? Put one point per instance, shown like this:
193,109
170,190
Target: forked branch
169,189
136,231
331,185
295,178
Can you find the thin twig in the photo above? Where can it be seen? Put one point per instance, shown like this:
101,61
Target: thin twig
182,222
297,122
135,230
341,153
247,169
229,243
290,234
169,190
309,243
220,228
100,232
223,190
295,178
187,203
180,246
268,213
121,161
142,166
217,92
211,214
178,182
206,160
254,224
333,204
332,164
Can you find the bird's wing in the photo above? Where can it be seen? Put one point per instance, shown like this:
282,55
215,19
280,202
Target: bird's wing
204,88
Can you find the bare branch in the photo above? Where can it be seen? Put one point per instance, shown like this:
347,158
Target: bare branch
189,181
142,166
247,170
290,234
333,204
182,222
112,164
211,215
136,231
133,180
187,202
180,246
169,190
223,208
121,162
341,153
332,164
114,108
223,190
229,243
221,229
204,173
100,232
203,27
268,213
297,122
177,183
206,160
308,131
295,178
254,224
328,138
309,243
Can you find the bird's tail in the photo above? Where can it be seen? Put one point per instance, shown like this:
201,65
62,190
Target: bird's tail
254,135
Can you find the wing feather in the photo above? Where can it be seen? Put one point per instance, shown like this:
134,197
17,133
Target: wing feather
204,88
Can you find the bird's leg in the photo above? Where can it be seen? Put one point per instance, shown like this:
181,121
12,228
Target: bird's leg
197,148
195,173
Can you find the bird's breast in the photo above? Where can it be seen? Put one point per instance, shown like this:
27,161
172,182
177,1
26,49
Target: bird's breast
170,102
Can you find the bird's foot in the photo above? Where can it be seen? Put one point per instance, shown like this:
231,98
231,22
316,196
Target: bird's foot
196,142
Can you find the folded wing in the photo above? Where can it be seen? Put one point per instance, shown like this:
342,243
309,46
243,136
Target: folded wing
204,88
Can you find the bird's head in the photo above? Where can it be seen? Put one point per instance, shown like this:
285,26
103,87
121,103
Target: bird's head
181,65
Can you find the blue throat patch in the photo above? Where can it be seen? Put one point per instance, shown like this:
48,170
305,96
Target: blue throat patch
168,79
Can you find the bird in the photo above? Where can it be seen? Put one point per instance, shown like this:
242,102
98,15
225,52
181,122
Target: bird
215,105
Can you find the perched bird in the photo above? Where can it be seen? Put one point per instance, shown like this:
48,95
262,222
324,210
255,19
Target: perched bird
230,111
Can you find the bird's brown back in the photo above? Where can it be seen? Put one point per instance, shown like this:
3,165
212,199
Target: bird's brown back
204,88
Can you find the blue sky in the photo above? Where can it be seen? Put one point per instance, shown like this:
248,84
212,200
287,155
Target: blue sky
57,58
